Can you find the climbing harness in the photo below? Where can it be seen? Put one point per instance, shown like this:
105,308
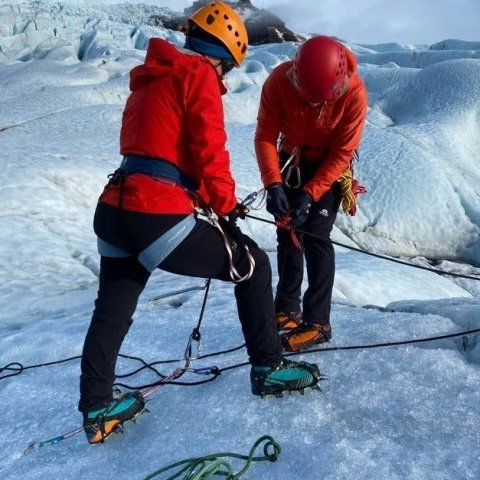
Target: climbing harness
161,170
249,200
158,250
349,186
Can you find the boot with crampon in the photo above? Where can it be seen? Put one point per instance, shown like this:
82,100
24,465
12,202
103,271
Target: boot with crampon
306,336
285,376
288,321
100,423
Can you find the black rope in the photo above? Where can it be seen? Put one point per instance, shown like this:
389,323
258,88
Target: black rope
17,368
390,344
376,255
366,347
216,372
176,360
145,366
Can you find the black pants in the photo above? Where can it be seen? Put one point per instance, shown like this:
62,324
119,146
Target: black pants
319,258
122,280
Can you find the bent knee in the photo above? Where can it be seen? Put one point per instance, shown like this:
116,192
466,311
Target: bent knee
262,261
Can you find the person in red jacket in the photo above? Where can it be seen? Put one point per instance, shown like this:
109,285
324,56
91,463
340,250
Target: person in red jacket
175,161
310,123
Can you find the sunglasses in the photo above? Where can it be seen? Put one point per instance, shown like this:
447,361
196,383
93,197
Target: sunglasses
227,65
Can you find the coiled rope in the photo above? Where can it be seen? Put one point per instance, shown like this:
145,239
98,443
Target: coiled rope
209,466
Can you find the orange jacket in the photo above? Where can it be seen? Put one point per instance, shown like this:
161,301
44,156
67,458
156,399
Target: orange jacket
329,133
175,112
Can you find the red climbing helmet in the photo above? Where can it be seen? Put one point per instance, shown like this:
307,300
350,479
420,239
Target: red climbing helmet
320,68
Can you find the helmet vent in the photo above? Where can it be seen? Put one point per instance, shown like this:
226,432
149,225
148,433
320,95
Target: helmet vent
225,17
217,12
244,48
237,34
230,27
210,19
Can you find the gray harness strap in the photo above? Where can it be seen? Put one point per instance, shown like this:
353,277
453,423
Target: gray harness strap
163,246
157,251
108,250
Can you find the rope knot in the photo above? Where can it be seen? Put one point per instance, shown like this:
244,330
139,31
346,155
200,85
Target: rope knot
286,223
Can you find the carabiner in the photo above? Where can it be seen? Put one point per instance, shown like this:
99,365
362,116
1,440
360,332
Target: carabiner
289,174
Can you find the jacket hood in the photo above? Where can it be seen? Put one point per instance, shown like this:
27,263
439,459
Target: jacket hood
161,58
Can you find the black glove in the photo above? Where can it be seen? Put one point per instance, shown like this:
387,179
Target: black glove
240,211
301,208
277,202
229,224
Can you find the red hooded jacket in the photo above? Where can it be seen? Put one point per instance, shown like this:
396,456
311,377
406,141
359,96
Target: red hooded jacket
175,112
329,134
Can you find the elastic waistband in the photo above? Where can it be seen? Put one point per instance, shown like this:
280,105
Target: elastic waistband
157,167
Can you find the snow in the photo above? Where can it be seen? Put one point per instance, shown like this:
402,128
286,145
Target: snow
407,412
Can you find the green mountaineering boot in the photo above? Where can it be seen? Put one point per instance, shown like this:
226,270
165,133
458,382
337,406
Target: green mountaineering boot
100,423
286,376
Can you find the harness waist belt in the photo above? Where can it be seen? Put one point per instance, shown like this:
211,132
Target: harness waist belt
157,167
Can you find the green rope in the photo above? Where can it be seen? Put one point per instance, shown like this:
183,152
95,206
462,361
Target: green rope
202,468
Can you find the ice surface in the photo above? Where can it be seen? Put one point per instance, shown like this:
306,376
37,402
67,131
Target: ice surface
409,412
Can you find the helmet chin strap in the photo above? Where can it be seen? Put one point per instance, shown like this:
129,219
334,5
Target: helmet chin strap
223,66
216,63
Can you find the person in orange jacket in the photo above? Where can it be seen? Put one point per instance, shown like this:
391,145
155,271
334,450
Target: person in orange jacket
310,122
175,161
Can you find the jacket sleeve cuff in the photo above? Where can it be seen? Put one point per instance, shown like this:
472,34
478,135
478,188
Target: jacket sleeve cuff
315,193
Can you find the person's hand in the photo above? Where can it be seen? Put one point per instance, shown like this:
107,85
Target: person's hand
301,209
229,224
277,202
240,211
